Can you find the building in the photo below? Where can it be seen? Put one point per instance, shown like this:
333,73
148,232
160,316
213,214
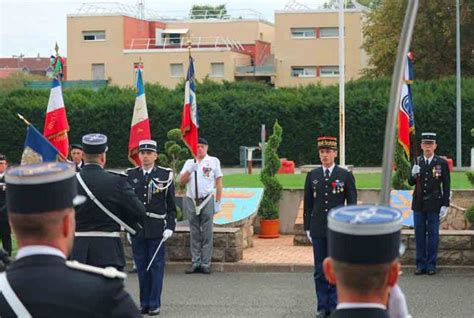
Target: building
306,46
300,48
108,46
32,65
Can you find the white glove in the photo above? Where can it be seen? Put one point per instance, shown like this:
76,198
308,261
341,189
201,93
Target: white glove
167,234
217,206
443,212
193,167
397,304
308,234
415,170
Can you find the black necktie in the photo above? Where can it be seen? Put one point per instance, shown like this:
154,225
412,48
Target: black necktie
146,176
326,175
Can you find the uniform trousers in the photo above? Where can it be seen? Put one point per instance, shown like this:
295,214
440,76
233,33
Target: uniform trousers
201,232
426,239
326,293
150,282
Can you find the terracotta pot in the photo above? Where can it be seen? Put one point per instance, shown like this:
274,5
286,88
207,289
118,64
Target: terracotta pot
269,228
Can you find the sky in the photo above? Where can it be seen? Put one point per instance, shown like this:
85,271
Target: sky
29,27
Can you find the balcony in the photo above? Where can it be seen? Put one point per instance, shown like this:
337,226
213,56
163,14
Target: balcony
243,69
201,42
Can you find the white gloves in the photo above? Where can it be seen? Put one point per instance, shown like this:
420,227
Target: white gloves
217,206
167,234
443,212
415,170
308,234
193,167
397,304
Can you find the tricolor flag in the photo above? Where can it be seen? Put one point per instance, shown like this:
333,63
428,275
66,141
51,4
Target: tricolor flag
140,128
406,118
55,124
37,148
189,120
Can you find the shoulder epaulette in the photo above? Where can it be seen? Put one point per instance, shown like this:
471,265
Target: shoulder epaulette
117,173
164,168
109,272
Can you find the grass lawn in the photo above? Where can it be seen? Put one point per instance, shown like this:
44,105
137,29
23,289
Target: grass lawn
296,181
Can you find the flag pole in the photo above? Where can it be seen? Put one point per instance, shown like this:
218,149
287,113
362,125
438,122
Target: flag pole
195,157
24,119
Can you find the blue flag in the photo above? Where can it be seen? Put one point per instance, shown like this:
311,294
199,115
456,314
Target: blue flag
37,148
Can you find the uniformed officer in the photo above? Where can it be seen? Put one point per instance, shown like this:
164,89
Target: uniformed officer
40,282
363,262
430,202
327,187
5,231
155,186
200,209
111,204
77,156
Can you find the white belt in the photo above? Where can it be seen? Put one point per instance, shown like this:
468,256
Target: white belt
97,234
156,216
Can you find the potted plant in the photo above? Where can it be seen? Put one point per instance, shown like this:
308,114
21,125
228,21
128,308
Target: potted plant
268,210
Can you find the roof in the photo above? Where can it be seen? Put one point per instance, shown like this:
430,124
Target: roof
31,63
6,72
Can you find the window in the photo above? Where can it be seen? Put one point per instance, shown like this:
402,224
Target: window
217,69
176,70
329,32
93,35
299,33
98,72
303,71
175,38
329,71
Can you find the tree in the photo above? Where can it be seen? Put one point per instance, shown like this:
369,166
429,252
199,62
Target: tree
208,11
434,38
269,207
402,173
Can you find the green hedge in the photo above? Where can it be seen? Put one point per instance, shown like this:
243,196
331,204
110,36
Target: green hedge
231,115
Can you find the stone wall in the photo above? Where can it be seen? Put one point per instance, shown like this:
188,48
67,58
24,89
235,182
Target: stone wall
455,247
227,245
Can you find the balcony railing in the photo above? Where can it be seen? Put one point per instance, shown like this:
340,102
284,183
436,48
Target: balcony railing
182,43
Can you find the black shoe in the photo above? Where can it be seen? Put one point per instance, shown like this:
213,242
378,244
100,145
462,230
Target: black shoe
143,310
431,272
205,270
193,269
419,271
321,314
154,312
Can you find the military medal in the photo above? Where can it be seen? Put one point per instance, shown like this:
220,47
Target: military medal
334,185
342,186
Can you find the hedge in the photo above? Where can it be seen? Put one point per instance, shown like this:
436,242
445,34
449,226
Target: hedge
231,115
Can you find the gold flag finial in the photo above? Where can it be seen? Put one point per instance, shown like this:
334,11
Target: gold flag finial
56,48
24,119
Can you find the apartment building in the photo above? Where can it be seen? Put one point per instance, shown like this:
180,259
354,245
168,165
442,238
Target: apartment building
108,46
306,46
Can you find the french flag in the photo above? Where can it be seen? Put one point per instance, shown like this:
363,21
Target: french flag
55,124
189,120
140,128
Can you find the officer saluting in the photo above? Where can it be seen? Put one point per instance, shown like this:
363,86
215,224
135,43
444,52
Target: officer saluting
40,282
327,187
111,204
155,186
363,262
430,203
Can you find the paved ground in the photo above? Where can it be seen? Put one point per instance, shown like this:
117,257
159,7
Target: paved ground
448,294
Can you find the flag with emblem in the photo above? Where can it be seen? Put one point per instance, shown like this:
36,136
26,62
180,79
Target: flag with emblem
37,148
55,123
406,118
189,120
140,128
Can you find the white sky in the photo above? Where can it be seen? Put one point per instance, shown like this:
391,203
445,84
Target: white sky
30,27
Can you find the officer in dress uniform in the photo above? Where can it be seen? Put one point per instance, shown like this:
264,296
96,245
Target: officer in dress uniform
155,186
111,204
5,231
77,156
40,282
430,202
327,187
363,262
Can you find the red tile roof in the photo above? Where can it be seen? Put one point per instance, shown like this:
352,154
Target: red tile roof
32,63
